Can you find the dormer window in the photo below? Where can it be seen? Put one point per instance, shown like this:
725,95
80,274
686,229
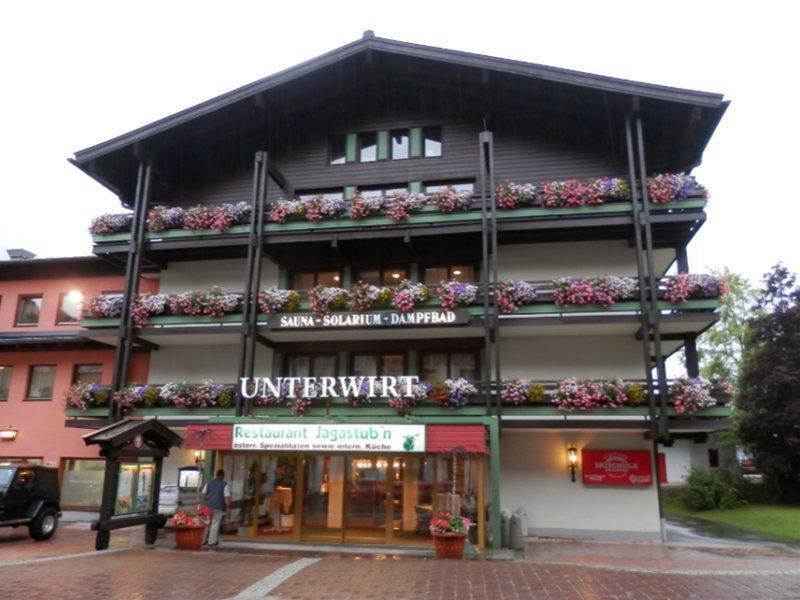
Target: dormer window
368,147
385,145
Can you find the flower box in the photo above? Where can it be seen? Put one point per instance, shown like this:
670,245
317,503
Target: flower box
449,545
189,537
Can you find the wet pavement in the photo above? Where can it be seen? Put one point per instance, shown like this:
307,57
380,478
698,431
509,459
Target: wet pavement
682,529
67,567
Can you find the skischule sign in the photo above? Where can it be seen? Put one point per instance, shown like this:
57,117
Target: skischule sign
331,437
419,318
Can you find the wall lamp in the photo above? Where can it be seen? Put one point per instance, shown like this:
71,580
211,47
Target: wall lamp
199,456
8,434
572,460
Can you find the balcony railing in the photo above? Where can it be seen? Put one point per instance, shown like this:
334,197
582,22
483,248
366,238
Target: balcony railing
568,396
609,293
514,201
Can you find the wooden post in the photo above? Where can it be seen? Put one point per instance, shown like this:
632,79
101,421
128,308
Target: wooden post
151,529
299,494
110,482
389,499
481,503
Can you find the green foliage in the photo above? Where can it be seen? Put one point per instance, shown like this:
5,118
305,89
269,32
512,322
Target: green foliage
720,349
709,490
151,397
536,394
102,396
226,397
769,384
636,394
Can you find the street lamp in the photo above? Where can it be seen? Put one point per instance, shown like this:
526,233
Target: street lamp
572,460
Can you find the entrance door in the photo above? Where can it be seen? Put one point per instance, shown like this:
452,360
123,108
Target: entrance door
323,497
368,499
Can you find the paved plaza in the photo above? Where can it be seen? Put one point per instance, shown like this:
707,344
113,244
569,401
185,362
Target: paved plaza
67,567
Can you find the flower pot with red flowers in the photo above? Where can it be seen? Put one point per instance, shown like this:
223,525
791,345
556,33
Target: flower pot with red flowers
190,527
449,532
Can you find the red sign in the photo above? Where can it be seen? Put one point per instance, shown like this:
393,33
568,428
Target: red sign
616,467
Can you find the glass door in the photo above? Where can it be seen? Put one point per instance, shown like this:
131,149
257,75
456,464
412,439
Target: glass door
323,497
368,499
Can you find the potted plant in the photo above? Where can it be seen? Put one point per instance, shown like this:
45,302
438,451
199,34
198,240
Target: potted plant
190,527
449,532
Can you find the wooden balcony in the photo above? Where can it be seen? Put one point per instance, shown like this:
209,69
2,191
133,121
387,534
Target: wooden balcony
674,223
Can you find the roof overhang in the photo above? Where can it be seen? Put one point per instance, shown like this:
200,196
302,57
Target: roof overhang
698,111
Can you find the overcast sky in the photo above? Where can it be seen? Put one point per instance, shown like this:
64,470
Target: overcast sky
77,73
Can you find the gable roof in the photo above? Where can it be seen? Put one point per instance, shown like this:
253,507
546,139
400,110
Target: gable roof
371,43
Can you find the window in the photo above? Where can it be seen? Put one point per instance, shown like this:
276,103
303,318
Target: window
459,186
400,144
382,276
82,485
305,280
713,458
87,374
28,310
328,195
40,384
337,153
449,365
379,192
432,141
69,307
368,147
435,275
5,382
312,365
365,365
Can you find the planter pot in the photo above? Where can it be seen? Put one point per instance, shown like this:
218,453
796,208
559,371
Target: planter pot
189,538
449,545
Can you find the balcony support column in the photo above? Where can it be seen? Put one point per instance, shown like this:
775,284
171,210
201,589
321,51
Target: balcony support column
255,253
647,309
489,272
682,259
661,370
133,270
690,352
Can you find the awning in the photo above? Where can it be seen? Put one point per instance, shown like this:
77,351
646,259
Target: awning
455,438
438,438
209,437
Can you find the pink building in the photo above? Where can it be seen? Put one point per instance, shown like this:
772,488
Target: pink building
42,353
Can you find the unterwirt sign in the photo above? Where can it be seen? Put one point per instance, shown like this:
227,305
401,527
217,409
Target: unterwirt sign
329,437
417,318
328,387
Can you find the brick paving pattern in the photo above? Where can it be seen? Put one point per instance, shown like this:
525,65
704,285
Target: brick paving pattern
599,572
414,579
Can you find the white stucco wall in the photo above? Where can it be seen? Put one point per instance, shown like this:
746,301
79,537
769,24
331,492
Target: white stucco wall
685,454
572,259
534,475
200,275
198,363
178,457
556,357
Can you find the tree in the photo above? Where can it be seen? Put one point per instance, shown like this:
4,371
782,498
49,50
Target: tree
769,384
720,348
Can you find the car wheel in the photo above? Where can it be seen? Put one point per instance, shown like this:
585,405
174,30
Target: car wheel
44,524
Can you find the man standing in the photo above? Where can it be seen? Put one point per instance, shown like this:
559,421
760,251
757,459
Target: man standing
217,494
